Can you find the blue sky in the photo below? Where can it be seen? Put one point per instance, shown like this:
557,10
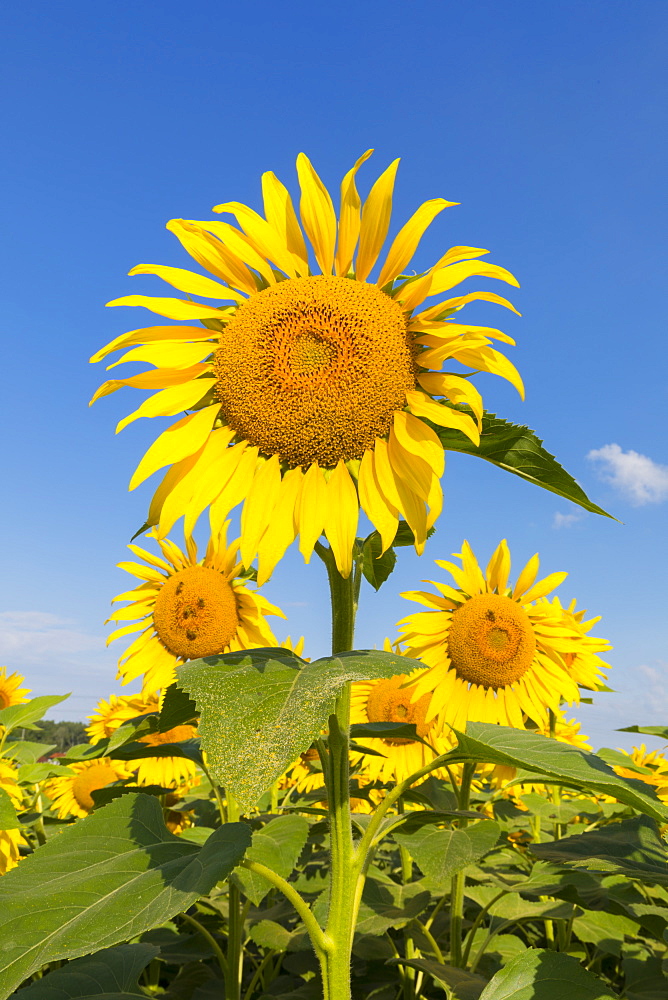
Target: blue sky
542,120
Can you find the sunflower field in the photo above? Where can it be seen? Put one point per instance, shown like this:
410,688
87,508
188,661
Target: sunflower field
418,819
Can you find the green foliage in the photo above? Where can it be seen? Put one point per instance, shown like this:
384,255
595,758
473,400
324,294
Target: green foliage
112,973
519,450
263,707
26,715
277,846
440,854
545,975
57,735
102,881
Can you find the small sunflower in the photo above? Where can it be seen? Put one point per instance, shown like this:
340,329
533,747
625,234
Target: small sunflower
311,394
656,765
71,794
584,664
10,840
168,772
11,692
495,654
187,609
390,700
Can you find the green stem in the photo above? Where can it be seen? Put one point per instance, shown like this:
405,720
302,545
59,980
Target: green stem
459,880
315,932
217,950
258,973
409,944
235,923
476,924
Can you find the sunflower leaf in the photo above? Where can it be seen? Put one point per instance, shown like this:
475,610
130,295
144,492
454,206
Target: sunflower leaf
102,881
491,744
113,972
277,846
377,565
440,854
545,975
26,714
460,985
261,708
519,450
660,731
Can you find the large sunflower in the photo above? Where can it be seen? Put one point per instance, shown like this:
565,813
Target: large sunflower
495,654
390,700
11,692
310,392
168,772
187,609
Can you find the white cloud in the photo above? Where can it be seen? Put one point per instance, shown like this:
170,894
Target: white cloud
33,635
566,520
636,476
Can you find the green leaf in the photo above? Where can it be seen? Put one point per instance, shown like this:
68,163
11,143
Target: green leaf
386,904
376,566
104,880
386,730
643,977
31,711
261,708
460,985
112,973
269,934
277,846
491,744
660,731
519,450
8,820
25,752
177,709
605,930
632,848
440,854
545,975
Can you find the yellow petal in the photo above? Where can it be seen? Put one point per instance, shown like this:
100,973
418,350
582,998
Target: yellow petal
141,571
280,214
526,577
447,277
477,582
172,308
382,515
375,221
489,360
219,464
420,440
435,502
151,380
169,402
544,587
265,238
342,517
188,282
317,212
455,388
407,239
444,416
172,477
349,218
384,474
149,334
311,510
413,292
183,438
167,354
498,568
454,305
239,246
282,528
235,490
259,506
415,512
410,468
211,254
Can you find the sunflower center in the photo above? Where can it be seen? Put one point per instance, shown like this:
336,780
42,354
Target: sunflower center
491,641
89,781
196,613
389,702
313,369
176,735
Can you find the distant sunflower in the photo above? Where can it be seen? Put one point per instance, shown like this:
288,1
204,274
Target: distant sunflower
390,700
655,764
310,393
71,794
11,692
10,840
169,772
495,654
187,609
584,664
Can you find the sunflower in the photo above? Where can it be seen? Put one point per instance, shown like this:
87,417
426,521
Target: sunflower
168,772
495,654
71,794
655,764
11,693
311,394
390,700
584,664
187,609
10,840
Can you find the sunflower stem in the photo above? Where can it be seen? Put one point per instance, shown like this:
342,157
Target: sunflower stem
459,880
235,924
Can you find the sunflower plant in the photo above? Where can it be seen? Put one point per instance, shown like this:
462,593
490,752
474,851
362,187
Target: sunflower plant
379,813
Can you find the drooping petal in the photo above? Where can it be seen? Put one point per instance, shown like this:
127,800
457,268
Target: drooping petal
342,517
407,239
447,277
171,308
382,514
318,215
159,379
444,416
349,218
183,438
282,528
169,402
420,440
259,506
375,222
312,510
167,354
455,388
149,334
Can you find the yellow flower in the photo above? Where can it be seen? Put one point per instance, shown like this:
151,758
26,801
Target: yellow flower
495,654
657,765
169,772
584,665
187,609
71,794
10,691
310,392
389,700
10,840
